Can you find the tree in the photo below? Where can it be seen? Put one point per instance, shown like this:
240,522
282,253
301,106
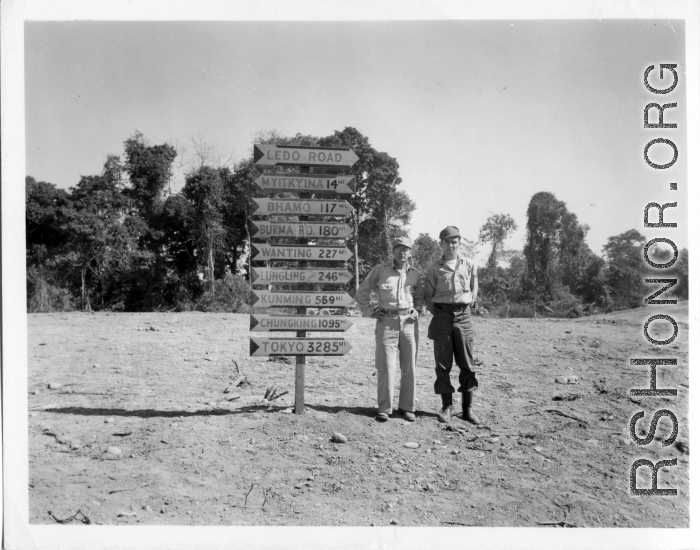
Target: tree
150,169
555,248
496,230
626,268
378,211
426,250
44,206
98,237
205,190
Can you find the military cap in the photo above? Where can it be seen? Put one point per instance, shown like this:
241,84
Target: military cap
449,232
402,241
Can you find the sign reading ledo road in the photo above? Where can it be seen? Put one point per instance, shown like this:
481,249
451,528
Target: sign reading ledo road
267,230
293,298
294,155
290,252
286,275
320,323
296,207
299,346
307,183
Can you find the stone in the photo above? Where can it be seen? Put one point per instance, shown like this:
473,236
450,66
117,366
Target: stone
96,366
55,386
393,522
109,420
34,414
411,445
288,411
397,468
561,380
339,438
116,451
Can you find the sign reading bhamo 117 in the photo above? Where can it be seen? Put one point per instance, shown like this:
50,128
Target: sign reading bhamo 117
313,207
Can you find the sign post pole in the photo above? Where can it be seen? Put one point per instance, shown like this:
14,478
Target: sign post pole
301,359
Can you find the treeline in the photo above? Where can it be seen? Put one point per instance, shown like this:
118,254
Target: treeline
122,241
556,273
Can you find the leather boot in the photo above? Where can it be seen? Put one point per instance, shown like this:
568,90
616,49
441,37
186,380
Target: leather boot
467,412
444,415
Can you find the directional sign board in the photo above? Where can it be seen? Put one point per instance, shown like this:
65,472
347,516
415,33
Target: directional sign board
293,155
298,346
292,298
288,275
267,230
298,207
289,252
307,183
320,323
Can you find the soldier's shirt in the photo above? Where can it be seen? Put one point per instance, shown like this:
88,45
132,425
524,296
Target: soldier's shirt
395,289
447,285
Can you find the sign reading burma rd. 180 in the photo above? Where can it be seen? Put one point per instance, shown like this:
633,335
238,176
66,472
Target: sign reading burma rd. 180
265,230
305,184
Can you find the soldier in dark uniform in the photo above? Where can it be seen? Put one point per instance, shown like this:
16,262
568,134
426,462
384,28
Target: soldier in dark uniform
451,286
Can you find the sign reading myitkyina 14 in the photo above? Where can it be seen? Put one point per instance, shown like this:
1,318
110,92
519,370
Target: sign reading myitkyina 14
306,183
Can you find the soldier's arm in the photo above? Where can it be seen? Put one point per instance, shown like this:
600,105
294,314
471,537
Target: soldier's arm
429,290
365,289
474,284
418,295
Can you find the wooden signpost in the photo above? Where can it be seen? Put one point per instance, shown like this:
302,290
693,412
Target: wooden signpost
286,275
304,183
267,230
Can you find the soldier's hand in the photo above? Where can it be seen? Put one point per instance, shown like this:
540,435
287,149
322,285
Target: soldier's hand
378,315
414,314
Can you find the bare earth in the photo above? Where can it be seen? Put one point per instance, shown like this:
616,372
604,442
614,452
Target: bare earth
553,454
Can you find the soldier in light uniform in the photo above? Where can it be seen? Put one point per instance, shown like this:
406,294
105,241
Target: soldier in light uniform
399,289
451,286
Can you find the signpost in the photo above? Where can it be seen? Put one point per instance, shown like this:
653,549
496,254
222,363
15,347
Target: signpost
267,230
299,346
296,207
322,323
291,252
304,183
284,275
294,298
294,155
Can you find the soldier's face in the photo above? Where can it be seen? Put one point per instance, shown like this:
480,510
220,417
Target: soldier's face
450,246
402,253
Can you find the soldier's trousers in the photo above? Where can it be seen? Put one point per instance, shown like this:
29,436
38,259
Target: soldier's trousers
396,332
452,333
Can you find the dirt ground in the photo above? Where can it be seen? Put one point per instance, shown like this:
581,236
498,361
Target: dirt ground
152,385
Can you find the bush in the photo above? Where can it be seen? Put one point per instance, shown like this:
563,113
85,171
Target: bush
515,310
43,297
231,294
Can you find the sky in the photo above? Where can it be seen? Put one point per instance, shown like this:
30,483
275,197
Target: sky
480,115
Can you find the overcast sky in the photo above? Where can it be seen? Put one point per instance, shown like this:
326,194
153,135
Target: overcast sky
480,115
